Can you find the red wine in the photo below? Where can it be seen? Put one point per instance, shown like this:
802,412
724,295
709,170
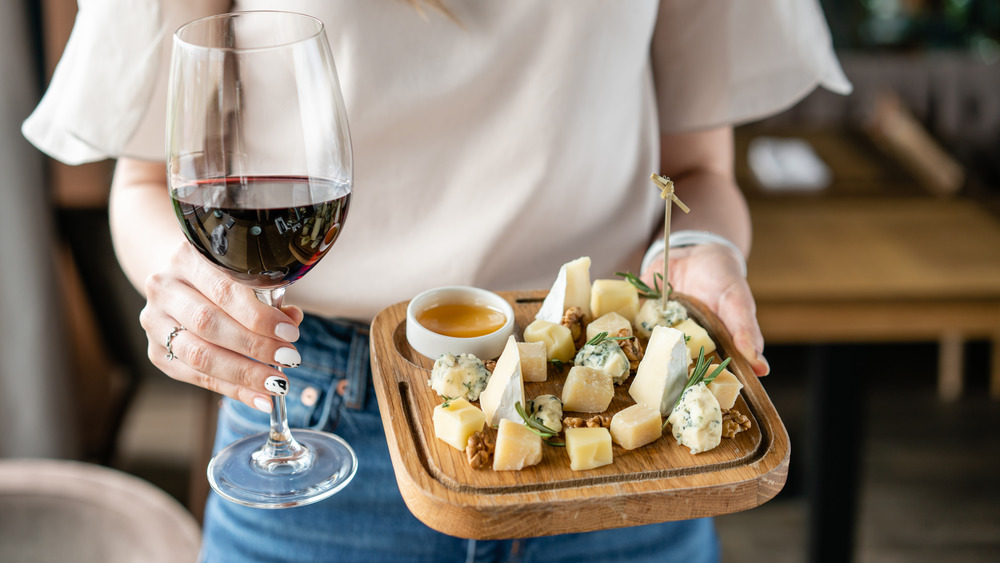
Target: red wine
266,231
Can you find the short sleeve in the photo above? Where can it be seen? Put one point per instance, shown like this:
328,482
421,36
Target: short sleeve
107,97
732,61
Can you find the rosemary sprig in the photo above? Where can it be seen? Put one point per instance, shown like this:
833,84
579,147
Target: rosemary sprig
602,336
644,290
536,427
700,371
557,362
447,401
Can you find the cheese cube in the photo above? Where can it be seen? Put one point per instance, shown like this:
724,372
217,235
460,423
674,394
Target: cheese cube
547,410
611,323
696,338
614,296
588,448
636,426
463,375
456,422
587,390
725,387
558,339
534,361
517,447
652,314
505,387
571,289
663,371
697,420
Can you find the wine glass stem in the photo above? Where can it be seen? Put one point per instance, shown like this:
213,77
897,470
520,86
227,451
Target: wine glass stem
281,453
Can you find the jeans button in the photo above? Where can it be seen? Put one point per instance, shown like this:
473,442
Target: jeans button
309,396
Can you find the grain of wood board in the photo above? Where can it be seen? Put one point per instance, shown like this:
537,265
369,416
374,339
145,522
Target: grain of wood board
658,482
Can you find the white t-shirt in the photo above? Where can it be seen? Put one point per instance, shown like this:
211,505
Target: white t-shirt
488,151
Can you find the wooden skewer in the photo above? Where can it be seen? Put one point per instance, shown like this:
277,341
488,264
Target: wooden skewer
666,186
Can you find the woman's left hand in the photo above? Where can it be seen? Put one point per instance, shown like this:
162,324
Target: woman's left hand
713,275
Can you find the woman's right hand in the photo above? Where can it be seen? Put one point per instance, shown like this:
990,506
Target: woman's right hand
228,337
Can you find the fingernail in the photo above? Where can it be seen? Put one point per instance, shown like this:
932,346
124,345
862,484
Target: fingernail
276,385
262,404
288,357
286,331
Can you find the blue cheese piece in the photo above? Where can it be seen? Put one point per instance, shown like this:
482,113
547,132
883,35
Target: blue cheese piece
663,371
463,376
548,410
571,289
652,315
696,422
505,387
606,356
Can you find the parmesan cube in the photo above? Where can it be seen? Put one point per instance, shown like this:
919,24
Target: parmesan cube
558,339
587,390
725,387
696,337
455,423
614,296
636,426
517,447
588,448
611,323
534,361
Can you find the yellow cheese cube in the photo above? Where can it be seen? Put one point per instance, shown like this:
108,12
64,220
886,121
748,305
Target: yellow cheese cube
588,448
517,447
614,296
636,426
725,387
534,361
611,323
456,422
558,339
587,390
696,337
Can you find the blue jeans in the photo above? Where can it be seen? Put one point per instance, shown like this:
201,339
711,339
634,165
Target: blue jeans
367,521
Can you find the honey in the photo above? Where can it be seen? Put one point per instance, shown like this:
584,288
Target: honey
461,320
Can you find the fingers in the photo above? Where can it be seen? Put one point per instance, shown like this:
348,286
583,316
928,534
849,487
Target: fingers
738,311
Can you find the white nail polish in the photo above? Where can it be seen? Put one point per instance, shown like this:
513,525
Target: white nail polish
288,357
262,404
276,385
288,332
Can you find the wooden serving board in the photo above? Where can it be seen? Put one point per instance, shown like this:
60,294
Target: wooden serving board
655,483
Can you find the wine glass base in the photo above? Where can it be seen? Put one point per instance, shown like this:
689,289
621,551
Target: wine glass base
233,475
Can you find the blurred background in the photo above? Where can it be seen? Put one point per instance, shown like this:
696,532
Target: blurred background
876,266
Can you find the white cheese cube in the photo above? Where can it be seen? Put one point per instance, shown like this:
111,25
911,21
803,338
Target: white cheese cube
456,422
588,448
614,296
663,371
459,376
725,387
558,339
611,323
571,289
517,447
697,337
697,420
651,315
636,426
534,361
548,410
587,390
606,356
505,387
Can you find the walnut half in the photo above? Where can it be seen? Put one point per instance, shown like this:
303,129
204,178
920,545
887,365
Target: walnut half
596,421
479,449
573,320
631,347
734,422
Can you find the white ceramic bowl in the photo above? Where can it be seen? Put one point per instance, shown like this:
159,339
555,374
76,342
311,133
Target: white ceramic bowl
432,344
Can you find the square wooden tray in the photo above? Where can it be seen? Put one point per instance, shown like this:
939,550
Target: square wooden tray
655,483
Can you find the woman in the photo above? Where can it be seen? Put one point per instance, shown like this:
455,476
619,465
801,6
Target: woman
493,142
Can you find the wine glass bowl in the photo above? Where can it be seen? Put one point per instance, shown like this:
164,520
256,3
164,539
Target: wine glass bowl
260,172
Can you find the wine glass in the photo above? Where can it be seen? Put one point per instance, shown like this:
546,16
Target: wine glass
259,167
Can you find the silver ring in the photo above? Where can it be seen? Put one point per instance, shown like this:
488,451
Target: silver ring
170,341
